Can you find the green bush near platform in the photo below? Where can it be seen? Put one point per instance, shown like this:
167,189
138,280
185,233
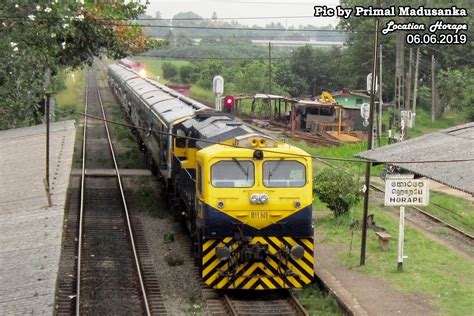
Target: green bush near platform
338,188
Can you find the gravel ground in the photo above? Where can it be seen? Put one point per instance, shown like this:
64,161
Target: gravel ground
169,246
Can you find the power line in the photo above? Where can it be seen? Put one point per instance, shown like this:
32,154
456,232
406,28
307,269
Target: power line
452,55
39,19
266,150
205,58
225,18
311,4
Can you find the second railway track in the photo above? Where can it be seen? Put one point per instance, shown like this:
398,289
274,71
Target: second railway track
111,278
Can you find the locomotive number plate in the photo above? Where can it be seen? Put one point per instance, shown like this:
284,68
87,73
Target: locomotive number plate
259,215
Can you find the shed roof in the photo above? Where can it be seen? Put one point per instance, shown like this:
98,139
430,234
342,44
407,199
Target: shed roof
455,143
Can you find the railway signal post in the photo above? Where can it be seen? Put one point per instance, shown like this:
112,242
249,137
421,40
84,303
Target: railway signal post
218,90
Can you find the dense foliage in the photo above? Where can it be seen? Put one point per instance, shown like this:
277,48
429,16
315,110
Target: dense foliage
215,28
40,39
306,71
338,188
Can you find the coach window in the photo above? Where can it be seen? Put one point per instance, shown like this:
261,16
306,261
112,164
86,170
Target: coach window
180,139
233,174
284,174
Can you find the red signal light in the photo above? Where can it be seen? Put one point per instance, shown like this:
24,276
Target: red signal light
229,103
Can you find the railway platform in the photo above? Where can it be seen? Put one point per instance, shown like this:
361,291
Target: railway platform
30,231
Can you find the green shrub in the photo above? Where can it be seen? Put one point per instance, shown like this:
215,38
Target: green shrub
338,188
169,70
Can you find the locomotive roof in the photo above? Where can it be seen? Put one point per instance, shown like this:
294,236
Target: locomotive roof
216,128
166,103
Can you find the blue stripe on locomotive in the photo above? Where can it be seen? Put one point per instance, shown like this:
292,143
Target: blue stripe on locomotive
217,224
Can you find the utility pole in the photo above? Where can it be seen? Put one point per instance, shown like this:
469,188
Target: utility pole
47,117
47,79
415,86
433,88
408,82
399,70
369,142
379,133
269,68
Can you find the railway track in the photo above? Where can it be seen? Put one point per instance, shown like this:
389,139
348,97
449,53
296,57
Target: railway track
281,303
114,272
433,218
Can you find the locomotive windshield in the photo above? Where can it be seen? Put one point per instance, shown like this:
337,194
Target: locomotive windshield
233,174
284,174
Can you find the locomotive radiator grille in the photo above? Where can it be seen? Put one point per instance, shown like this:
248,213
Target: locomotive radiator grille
279,270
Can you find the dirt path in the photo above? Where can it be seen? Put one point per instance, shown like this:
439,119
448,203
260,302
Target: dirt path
376,296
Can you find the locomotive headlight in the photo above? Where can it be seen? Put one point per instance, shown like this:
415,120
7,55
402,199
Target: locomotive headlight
220,204
222,253
263,198
297,252
297,204
254,198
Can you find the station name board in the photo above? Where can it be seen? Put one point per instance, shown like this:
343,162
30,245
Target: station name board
406,192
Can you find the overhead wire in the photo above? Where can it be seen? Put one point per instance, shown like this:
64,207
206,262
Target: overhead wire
149,130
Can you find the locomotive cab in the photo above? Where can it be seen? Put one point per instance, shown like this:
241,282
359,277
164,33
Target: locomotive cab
254,214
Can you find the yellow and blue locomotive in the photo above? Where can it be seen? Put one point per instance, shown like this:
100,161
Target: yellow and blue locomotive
247,197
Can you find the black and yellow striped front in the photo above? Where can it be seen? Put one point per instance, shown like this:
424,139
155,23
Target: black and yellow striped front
278,270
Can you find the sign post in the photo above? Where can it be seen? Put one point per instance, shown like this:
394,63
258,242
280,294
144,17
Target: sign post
403,190
401,238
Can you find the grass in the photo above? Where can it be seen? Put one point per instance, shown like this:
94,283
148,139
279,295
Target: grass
431,269
424,125
146,197
344,151
154,67
316,302
198,92
460,211
129,155
70,101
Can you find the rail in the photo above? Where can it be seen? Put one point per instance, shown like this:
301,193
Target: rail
285,303
126,211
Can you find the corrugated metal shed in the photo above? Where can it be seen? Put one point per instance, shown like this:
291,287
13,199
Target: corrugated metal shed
455,143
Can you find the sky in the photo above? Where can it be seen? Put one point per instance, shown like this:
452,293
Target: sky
286,9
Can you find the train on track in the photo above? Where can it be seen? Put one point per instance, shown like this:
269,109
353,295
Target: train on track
246,196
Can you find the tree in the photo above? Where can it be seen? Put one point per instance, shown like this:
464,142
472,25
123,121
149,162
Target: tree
39,40
211,69
338,188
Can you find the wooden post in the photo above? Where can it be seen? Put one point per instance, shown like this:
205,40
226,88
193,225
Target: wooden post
292,118
369,143
269,68
399,70
380,99
408,83
47,181
339,127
